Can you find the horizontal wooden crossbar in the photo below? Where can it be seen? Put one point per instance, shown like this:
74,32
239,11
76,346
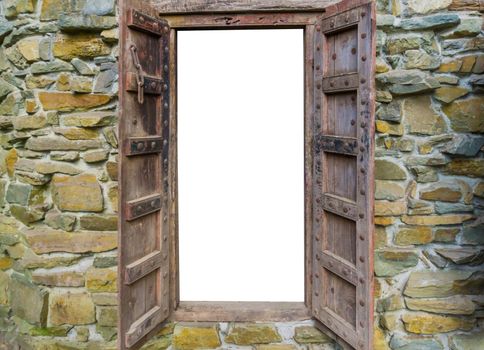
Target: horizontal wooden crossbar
140,21
137,146
142,267
143,206
343,82
341,21
339,266
340,206
143,326
338,325
336,144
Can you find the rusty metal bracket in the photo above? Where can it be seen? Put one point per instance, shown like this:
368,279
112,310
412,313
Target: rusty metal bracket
140,79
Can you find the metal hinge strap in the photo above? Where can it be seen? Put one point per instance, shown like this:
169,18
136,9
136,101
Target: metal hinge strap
140,79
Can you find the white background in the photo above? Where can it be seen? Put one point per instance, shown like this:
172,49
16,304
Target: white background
241,165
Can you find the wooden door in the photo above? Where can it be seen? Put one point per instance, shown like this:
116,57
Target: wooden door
343,171
144,259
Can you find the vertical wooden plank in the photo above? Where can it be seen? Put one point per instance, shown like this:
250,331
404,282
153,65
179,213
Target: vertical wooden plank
142,303
345,305
365,195
173,166
309,67
317,189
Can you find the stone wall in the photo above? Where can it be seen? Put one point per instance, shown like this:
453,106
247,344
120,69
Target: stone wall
58,190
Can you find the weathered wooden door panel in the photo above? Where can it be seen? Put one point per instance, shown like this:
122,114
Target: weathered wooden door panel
144,133
343,175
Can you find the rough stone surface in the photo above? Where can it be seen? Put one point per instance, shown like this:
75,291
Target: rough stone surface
466,341
427,6
61,101
71,308
455,305
67,47
101,280
466,115
430,284
387,170
421,118
191,338
249,334
393,262
408,235
310,335
49,241
77,193
28,301
422,323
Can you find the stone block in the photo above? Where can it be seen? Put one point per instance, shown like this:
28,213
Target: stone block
99,223
413,342
423,323
421,118
388,190
454,305
409,235
107,316
85,23
439,284
466,341
249,334
89,119
71,308
101,280
48,241
444,192
196,336
77,133
77,193
466,115
388,170
28,301
392,262
59,279
64,101
427,6
310,335
429,220
466,167
67,47
386,208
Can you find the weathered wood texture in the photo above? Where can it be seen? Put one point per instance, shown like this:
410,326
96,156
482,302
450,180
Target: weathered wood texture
343,171
143,200
467,5
258,20
231,6
240,312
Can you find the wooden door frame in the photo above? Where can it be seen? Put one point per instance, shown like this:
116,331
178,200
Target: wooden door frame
245,311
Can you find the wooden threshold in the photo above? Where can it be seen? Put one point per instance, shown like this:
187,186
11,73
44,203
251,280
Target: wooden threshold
228,311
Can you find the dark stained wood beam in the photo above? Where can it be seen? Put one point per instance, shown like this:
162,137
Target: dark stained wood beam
231,6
